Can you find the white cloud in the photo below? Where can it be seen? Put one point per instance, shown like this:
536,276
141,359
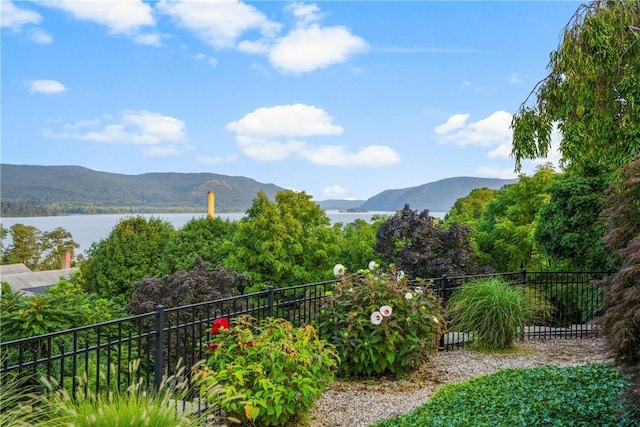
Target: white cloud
151,39
292,120
454,122
159,134
308,49
121,17
218,23
493,130
39,36
334,191
47,87
14,17
305,13
273,133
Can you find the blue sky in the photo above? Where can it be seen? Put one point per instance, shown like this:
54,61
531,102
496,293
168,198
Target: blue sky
340,99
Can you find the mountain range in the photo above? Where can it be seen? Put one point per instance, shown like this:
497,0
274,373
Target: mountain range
27,190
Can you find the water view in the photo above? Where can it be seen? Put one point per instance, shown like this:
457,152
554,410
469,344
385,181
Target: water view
87,229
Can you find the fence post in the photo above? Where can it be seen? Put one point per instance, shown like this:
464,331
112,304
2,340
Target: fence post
523,276
443,287
159,338
270,290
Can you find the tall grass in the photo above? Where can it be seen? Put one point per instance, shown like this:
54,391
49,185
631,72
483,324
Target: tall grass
493,311
139,405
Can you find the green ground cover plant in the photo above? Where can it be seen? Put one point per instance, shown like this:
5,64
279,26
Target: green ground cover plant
277,369
585,395
493,311
379,324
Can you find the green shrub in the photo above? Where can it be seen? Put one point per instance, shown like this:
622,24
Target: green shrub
493,311
546,396
371,341
277,369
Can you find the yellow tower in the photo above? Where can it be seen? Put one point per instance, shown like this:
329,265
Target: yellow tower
211,204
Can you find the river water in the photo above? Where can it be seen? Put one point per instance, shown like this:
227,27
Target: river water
87,229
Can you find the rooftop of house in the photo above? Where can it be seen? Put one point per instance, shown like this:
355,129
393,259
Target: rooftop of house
21,279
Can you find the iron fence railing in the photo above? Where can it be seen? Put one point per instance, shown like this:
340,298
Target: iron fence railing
100,356
575,298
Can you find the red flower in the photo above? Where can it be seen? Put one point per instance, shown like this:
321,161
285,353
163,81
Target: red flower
213,346
221,322
249,344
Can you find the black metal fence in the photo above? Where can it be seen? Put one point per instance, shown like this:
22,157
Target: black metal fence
575,298
102,354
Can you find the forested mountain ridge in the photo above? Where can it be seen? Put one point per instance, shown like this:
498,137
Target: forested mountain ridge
75,189
28,190
436,196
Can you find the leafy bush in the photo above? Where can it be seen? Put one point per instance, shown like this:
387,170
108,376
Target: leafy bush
571,396
277,369
493,311
379,324
63,306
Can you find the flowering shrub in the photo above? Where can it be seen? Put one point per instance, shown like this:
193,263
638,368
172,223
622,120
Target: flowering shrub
379,324
277,369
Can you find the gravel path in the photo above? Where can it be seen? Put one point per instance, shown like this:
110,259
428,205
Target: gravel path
351,404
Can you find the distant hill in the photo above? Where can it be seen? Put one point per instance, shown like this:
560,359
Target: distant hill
436,196
75,189
28,190
338,204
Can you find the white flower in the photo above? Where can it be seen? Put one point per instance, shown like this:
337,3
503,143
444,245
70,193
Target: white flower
386,311
435,319
399,275
408,295
418,290
376,318
373,265
339,270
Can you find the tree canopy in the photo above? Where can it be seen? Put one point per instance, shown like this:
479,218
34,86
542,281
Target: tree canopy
284,243
570,228
420,246
505,233
133,250
591,92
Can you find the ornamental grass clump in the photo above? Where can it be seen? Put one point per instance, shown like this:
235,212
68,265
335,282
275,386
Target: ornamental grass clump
278,370
139,405
379,324
494,311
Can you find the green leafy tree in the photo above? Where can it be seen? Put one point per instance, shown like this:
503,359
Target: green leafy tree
591,91
420,246
468,210
36,249
203,238
25,246
55,245
359,238
133,250
3,235
284,243
570,230
505,234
